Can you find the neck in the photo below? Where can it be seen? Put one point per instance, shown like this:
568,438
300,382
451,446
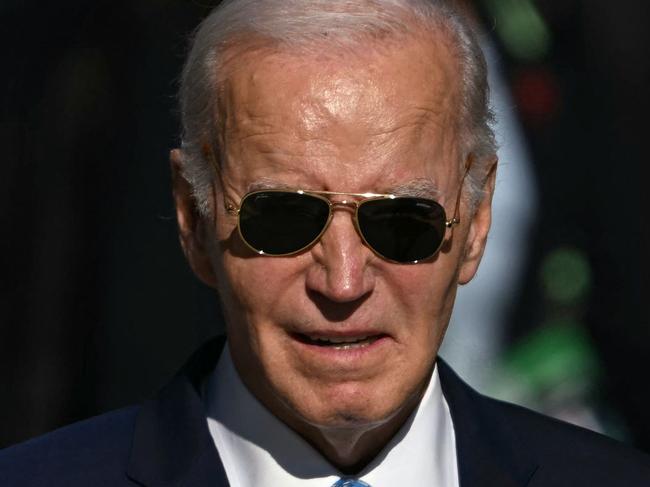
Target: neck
351,447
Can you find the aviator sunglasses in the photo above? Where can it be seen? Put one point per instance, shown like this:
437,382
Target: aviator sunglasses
400,229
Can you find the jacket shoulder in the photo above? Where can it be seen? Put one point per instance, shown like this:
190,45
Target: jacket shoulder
568,454
91,452
527,448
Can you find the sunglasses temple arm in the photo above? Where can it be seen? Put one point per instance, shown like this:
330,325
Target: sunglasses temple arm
456,218
209,153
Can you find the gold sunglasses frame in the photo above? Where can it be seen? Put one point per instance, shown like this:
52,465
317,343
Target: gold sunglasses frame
234,210
343,204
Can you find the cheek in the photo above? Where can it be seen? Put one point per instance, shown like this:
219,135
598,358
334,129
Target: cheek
425,295
251,290
425,288
262,285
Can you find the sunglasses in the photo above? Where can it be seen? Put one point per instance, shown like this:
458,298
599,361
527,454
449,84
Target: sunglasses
400,229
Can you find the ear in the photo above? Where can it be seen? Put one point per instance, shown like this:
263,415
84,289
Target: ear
192,227
478,231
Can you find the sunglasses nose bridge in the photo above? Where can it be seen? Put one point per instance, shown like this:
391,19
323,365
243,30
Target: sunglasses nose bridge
345,204
348,205
352,207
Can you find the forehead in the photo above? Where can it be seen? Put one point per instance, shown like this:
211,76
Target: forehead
324,108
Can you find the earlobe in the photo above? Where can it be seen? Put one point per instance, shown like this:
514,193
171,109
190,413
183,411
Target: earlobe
478,231
191,225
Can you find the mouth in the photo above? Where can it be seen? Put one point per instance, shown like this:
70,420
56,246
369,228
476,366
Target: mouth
338,342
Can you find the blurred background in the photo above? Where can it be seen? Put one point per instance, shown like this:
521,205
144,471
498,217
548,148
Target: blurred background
98,307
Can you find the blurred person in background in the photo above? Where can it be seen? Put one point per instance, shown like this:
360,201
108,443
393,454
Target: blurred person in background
171,440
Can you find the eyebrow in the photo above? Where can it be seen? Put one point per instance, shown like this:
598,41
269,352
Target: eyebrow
269,183
420,187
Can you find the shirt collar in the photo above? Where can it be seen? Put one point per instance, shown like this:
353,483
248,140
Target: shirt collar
257,448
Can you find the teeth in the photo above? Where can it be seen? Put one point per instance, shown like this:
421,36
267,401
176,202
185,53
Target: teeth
344,343
348,346
337,340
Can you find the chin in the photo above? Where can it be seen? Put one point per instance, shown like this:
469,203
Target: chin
353,408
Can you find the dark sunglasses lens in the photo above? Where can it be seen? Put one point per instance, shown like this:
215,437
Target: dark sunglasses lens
279,222
403,229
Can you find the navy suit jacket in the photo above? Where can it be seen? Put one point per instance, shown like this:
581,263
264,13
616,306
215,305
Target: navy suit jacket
165,442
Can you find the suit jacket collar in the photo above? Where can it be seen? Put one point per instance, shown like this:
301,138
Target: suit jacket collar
172,445
488,449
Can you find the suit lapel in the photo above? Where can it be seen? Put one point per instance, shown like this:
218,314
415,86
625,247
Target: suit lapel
489,452
172,445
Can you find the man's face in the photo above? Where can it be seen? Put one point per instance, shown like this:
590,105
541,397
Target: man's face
372,123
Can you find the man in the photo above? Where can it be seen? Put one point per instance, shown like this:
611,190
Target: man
334,187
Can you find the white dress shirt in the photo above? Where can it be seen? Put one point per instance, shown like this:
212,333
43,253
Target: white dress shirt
259,450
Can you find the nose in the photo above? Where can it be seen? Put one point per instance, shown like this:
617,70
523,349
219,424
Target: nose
341,273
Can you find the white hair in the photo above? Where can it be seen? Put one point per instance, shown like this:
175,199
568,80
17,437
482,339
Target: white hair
301,24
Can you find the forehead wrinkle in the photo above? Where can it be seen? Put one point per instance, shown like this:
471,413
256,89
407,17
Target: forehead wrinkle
249,119
326,109
241,112
414,120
